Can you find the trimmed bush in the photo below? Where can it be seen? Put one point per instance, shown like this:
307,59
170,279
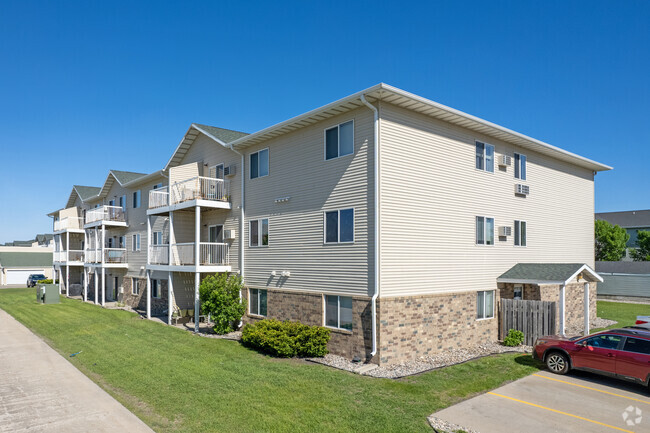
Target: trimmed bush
48,281
286,339
219,295
514,338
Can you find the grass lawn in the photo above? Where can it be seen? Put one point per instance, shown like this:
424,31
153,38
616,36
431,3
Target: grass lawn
625,314
176,381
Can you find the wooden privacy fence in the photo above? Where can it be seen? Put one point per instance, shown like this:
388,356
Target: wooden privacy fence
533,318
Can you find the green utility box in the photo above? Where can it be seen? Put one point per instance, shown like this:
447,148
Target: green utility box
47,293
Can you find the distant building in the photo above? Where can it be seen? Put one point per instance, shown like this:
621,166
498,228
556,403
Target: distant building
18,262
632,221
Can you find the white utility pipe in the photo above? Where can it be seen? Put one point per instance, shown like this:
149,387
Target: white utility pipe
376,249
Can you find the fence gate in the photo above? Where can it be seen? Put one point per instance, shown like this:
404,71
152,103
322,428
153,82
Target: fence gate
533,318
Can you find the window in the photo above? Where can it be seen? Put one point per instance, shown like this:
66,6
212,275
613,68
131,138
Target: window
637,345
603,341
259,233
157,186
123,202
136,242
216,172
259,163
111,202
520,166
338,312
520,233
518,292
121,242
484,230
485,156
339,226
257,302
155,288
156,238
134,286
485,304
339,140
136,199
110,243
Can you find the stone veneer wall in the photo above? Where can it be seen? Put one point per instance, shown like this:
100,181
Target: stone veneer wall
415,326
139,301
308,308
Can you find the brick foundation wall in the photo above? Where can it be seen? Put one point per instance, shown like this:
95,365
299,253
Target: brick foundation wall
307,308
134,301
415,326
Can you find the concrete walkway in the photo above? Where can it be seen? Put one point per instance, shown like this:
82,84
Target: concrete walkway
41,391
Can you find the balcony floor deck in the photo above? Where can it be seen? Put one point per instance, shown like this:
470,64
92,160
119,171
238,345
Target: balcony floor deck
210,204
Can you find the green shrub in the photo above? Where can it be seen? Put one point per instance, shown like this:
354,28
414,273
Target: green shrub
48,281
514,338
220,298
286,339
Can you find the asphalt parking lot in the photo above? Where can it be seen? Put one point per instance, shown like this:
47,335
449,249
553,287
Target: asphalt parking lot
545,402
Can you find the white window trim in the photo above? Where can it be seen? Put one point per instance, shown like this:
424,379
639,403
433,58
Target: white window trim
513,234
338,234
338,312
223,169
514,160
259,232
338,126
494,157
157,240
521,286
250,173
485,218
136,242
258,302
134,286
494,297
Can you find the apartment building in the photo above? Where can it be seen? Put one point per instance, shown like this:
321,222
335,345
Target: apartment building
394,220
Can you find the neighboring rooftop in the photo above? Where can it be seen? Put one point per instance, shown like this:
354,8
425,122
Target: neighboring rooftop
546,273
11,259
623,267
627,219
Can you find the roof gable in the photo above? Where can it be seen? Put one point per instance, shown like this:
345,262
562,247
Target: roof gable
547,273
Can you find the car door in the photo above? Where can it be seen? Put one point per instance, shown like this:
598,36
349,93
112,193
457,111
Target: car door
597,353
633,362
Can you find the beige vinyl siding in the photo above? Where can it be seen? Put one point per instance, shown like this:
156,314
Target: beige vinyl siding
185,171
298,169
431,193
205,152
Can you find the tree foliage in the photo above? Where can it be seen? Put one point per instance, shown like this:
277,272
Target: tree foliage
610,241
220,298
642,252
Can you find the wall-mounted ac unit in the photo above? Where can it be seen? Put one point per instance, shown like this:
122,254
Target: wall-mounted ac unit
505,160
505,231
229,234
229,170
522,189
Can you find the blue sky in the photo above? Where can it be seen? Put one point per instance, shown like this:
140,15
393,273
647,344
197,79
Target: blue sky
91,86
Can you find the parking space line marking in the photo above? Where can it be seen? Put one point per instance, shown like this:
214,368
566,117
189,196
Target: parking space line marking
560,412
593,389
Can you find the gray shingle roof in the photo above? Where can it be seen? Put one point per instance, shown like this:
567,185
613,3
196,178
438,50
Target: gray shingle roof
225,135
627,219
623,267
126,176
85,192
17,259
542,271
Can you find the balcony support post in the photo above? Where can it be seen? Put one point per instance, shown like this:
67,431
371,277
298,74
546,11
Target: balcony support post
172,237
95,277
149,243
170,290
148,294
103,286
85,286
197,274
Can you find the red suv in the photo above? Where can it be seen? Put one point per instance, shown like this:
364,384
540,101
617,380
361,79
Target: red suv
622,353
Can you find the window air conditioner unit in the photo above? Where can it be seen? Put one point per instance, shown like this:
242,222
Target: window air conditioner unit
522,189
505,160
229,234
229,170
505,231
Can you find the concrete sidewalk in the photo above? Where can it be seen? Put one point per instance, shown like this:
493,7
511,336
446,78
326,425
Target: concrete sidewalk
41,391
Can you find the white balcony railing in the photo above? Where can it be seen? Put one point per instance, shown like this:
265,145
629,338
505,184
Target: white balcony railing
68,223
114,255
105,213
159,197
159,254
210,254
93,256
68,256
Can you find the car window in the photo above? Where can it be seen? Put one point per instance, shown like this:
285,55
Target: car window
604,341
637,345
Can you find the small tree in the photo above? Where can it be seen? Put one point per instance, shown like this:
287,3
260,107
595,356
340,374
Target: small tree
611,241
642,253
219,296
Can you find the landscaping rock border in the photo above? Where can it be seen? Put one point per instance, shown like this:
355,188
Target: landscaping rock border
442,426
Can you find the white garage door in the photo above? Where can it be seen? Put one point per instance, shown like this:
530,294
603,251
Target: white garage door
15,276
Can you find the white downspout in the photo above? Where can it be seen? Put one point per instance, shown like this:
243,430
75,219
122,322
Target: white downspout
376,249
241,226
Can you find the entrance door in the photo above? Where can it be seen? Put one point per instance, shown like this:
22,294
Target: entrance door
215,237
116,284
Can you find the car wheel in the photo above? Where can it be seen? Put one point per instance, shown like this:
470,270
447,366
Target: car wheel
557,362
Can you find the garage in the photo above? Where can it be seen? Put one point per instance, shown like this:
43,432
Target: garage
17,276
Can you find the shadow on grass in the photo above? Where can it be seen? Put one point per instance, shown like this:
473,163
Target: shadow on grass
528,361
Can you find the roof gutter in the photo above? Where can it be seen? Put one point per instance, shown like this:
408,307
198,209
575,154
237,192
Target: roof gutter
376,238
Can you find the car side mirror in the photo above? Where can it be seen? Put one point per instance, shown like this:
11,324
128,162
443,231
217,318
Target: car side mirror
582,343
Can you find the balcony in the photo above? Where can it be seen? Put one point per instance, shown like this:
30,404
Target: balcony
69,224
115,257
213,256
159,254
197,191
111,215
69,256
